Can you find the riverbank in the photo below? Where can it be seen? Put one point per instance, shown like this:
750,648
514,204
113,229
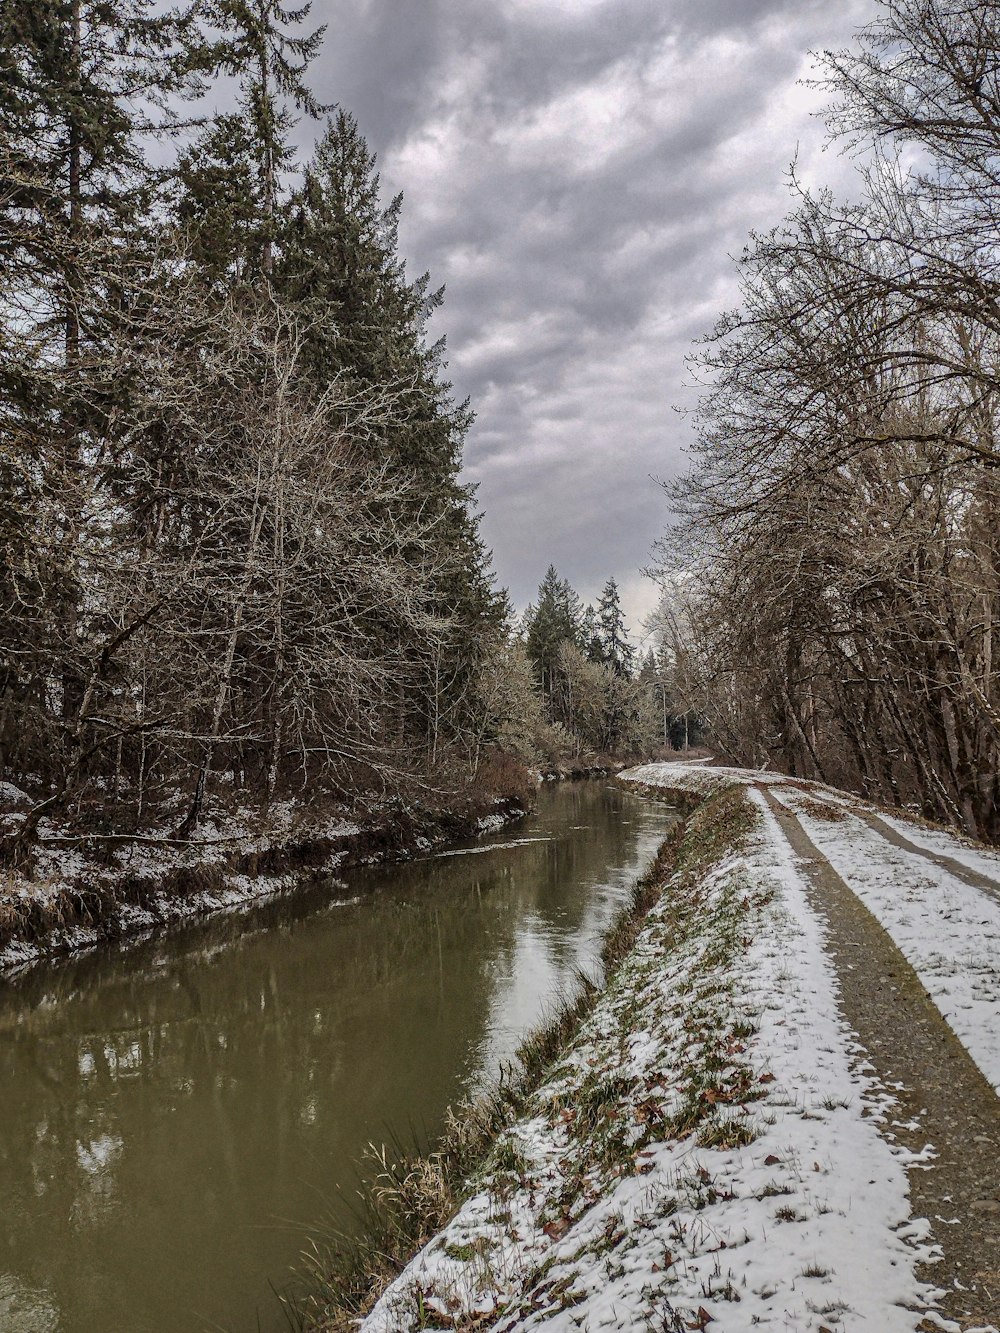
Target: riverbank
725,1136
207,1091
80,891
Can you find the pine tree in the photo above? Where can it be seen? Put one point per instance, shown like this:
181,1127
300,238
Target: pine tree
653,679
617,652
270,61
217,205
342,263
365,322
85,85
590,639
557,619
365,319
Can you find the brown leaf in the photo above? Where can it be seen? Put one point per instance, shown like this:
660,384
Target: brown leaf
766,1078
556,1230
771,1160
702,1320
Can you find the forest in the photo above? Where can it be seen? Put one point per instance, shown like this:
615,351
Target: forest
592,692
831,581
239,557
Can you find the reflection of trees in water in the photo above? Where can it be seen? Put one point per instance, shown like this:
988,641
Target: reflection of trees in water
164,1096
24,1309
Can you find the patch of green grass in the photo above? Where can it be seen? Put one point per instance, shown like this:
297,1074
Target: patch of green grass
507,1159
727,1134
472,1250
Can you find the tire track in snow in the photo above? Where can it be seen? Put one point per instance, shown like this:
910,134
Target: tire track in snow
898,840
944,1099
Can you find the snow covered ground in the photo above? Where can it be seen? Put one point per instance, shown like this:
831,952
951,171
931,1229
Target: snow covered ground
696,777
708,1153
948,931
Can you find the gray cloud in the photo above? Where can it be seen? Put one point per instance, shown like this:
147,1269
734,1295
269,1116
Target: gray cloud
577,172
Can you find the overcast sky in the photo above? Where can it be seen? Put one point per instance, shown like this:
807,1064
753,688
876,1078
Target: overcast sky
577,173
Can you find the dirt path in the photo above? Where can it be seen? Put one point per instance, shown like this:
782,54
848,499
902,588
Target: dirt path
944,1099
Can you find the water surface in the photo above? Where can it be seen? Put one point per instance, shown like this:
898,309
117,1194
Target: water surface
175,1115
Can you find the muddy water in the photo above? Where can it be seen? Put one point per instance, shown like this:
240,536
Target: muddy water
176,1115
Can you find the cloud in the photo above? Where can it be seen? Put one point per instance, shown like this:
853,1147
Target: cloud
578,172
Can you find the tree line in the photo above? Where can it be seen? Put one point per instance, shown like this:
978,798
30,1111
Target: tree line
237,551
594,694
831,594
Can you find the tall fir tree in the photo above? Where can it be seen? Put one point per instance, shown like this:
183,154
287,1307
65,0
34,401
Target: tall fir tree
85,86
590,639
617,652
365,319
366,323
218,206
261,47
557,619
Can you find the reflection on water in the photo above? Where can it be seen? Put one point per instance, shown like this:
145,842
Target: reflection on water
175,1114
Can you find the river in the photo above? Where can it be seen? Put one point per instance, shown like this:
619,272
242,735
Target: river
177,1115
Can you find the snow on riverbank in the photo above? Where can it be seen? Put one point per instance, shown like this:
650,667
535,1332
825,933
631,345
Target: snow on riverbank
70,900
708,1148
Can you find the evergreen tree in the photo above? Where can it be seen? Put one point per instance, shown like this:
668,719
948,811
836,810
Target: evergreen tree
363,321
218,206
342,262
590,639
557,620
617,652
270,61
85,85
653,679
